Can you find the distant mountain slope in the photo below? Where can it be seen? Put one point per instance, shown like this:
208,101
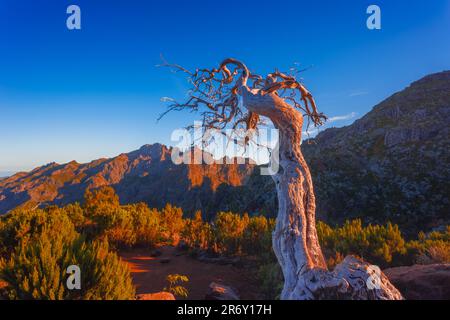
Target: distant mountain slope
392,164
147,174
4,174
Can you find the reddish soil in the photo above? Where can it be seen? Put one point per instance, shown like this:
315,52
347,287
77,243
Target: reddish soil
149,274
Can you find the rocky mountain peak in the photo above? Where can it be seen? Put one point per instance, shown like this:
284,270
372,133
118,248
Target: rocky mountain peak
392,164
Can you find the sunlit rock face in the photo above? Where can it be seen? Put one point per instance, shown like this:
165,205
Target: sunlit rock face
422,282
392,164
147,175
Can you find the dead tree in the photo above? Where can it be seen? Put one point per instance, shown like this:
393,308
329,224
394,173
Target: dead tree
280,97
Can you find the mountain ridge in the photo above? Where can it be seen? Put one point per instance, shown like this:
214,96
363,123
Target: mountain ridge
391,164
61,184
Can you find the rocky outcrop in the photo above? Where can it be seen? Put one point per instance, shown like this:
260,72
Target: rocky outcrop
221,292
392,164
145,175
422,282
156,296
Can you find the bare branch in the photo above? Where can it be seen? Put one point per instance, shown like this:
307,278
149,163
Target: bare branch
215,94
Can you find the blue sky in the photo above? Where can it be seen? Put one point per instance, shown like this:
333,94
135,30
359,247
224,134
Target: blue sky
95,92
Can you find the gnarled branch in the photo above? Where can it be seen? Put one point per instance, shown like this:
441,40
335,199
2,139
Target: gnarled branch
215,94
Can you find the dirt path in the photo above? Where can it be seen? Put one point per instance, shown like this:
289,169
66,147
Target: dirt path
149,274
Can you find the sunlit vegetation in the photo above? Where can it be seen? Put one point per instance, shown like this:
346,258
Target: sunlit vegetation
378,244
197,233
176,287
382,245
38,245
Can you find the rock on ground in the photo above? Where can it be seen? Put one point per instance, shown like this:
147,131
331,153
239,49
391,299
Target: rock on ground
221,292
422,282
156,296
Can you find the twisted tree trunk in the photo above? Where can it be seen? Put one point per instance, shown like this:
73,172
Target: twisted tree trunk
295,240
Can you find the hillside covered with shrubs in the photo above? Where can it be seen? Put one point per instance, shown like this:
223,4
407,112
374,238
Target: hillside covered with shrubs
37,245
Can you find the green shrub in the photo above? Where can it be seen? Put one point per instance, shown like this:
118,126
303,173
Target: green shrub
42,244
123,226
146,224
119,229
172,223
228,232
133,225
97,200
176,285
377,244
25,226
197,233
271,280
104,275
34,270
431,248
257,236
76,214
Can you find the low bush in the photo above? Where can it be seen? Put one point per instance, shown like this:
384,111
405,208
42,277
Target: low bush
176,286
271,279
196,233
39,246
431,248
228,232
171,223
377,244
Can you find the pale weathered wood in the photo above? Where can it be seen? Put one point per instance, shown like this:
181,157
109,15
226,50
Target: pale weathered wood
295,241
